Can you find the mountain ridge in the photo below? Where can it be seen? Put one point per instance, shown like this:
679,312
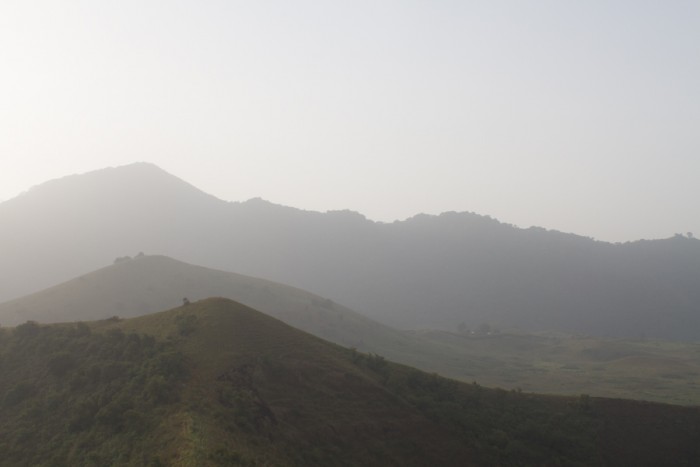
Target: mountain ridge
427,271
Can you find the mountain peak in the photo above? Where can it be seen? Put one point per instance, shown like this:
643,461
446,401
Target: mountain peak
139,181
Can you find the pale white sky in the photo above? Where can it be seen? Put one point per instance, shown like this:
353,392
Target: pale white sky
581,116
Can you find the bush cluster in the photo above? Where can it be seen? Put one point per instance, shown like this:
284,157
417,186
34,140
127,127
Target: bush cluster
70,396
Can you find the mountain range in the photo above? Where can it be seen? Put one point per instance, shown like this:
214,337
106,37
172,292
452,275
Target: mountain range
445,271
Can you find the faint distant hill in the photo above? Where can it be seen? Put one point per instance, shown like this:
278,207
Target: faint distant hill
427,271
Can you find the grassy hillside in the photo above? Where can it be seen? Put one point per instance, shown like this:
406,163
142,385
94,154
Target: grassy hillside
547,363
555,363
150,283
217,383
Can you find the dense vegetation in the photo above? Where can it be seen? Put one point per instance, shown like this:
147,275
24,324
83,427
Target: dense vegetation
217,383
501,427
70,396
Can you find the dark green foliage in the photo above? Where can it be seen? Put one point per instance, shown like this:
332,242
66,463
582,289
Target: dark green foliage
372,361
61,363
68,395
224,457
171,365
158,390
27,330
18,393
503,427
186,323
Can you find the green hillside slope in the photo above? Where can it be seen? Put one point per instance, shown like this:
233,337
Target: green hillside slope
546,363
217,383
150,283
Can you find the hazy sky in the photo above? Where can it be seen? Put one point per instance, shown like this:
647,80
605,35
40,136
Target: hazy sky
581,116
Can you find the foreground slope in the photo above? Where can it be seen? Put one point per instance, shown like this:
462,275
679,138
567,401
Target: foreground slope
427,271
221,384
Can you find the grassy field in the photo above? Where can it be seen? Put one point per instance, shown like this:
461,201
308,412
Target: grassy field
551,363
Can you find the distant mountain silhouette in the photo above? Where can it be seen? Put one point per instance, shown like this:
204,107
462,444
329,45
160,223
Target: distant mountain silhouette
427,271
